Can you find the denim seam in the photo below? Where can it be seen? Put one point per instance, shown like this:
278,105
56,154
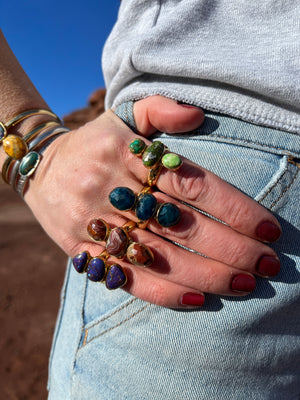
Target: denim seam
81,331
59,321
285,190
113,313
252,142
85,341
275,184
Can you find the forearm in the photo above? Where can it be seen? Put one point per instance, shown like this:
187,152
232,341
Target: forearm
17,93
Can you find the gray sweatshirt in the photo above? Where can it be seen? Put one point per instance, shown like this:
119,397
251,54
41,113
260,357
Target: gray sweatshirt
236,57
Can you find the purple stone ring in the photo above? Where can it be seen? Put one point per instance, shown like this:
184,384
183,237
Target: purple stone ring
98,270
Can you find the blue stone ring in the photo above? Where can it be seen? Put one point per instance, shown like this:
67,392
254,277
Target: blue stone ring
145,206
98,270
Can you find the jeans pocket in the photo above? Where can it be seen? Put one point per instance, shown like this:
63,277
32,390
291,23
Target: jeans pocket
251,170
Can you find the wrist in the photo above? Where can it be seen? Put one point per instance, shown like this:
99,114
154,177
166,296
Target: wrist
22,128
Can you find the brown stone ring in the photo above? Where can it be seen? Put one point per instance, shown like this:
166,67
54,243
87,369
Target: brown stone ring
119,244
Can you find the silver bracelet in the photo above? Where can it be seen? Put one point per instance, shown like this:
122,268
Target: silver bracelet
28,165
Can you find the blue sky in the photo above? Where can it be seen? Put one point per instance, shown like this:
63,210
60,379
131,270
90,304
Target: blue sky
59,44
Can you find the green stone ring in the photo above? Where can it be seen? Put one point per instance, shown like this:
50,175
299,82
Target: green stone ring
154,157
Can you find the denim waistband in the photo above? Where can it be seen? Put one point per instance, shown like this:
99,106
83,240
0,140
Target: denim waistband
223,128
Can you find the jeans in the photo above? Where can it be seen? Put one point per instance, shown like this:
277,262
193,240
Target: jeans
112,346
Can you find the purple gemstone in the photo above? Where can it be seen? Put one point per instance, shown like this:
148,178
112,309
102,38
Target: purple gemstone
116,277
80,261
96,269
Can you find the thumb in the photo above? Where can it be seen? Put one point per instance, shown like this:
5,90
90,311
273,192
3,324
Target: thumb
158,113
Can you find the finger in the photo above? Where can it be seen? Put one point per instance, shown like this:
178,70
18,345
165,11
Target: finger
157,113
201,233
164,293
176,271
207,192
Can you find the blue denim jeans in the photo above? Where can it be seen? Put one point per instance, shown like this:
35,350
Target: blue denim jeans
112,346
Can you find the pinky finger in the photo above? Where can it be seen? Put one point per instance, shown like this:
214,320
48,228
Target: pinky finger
160,291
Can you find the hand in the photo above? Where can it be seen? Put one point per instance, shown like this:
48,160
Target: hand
80,169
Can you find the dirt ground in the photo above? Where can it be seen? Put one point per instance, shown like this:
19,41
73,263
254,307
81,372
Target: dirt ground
31,275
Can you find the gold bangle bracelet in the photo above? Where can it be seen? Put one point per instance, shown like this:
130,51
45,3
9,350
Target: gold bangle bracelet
28,138
14,145
25,114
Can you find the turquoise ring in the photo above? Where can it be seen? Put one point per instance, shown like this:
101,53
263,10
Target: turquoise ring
145,206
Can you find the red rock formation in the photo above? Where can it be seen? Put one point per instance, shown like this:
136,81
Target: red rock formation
94,108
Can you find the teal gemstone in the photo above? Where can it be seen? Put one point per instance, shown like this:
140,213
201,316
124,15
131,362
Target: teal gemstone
137,146
153,154
29,163
171,161
122,198
168,215
145,206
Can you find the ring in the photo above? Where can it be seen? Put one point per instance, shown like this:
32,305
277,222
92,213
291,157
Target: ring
98,270
119,244
155,157
145,206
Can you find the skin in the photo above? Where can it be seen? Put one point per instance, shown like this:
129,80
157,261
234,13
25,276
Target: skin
79,169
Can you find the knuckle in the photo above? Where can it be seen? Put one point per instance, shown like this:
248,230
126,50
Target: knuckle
235,254
207,281
239,214
189,183
159,294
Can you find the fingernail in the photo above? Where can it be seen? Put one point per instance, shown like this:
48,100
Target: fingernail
186,105
268,266
269,232
243,283
192,299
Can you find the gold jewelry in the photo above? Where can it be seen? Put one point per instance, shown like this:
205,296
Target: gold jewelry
14,145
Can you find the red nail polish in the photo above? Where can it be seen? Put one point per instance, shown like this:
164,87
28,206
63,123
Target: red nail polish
267,231
243,283
192,299
268,266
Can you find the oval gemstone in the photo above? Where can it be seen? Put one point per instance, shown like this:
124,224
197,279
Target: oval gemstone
29,163
98,229
137,146
117,243
15,147
153,154
139,254
80,261
168,215
171,161
145,206
122,198
96,269
115,278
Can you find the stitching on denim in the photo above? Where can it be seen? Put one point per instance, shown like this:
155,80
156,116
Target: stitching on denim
285,190
113,313
251,142
272,187
114,327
